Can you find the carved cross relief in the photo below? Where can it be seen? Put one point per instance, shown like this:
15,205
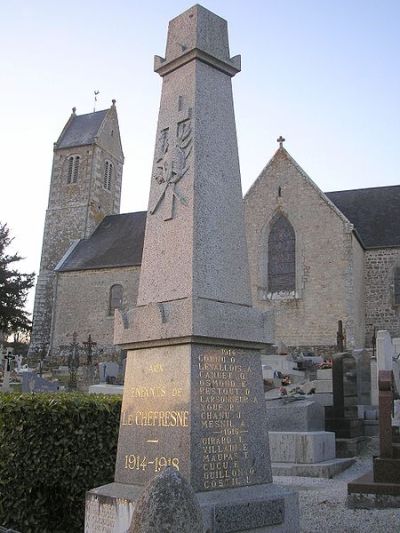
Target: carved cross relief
173,148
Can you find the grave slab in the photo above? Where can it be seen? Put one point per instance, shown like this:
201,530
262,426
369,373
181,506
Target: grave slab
324,469
301,415
103,388
301,446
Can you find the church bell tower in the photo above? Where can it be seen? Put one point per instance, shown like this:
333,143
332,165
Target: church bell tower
85,186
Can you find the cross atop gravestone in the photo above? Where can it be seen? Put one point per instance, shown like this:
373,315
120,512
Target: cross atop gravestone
8,357
193,385
89,345
340,337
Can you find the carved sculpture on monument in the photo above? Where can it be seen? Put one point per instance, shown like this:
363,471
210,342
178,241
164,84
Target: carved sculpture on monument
193,396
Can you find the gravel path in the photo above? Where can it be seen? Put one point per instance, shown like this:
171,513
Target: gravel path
323,504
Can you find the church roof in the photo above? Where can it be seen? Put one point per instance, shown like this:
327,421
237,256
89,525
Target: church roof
374,212
116,242
81,130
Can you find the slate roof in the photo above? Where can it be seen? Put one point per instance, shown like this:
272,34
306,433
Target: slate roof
116,242
374,212
82,129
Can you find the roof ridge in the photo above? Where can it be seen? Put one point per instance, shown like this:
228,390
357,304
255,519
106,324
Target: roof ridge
365,188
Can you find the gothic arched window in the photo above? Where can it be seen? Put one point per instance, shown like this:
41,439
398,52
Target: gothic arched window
108,170
73,168
281,256
116,294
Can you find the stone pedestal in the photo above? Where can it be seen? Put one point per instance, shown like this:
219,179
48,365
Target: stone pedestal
198,408
264,508
193,395
298,444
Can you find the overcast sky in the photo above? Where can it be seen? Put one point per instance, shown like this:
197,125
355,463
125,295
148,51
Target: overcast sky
322,73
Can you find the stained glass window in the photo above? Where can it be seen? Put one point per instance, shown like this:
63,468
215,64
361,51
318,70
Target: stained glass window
281,256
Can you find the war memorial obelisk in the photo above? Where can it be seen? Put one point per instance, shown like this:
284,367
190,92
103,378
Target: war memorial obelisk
193,395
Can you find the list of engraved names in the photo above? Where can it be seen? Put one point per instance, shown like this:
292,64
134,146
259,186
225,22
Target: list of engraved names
225,396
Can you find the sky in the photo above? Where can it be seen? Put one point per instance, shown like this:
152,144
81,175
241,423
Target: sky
325,74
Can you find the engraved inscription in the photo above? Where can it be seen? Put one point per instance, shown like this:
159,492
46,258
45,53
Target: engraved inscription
137,462
108,517
155,416
224,394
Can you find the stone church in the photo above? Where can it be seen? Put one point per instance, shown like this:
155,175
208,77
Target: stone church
315,258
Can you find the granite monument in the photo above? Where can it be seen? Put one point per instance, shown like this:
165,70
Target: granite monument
193,397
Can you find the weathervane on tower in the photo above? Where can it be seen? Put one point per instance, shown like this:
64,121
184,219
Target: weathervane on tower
96,92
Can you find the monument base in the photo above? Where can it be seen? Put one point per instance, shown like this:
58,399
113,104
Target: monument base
256,508
350,447
325,469
365,493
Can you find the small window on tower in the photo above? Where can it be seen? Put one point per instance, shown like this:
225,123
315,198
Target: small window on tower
108,171
116,295
73,168
397,286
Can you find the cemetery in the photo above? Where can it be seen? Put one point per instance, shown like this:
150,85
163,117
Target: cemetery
203,423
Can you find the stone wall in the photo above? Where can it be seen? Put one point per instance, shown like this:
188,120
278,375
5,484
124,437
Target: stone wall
381,312
358,293
324,263
83,305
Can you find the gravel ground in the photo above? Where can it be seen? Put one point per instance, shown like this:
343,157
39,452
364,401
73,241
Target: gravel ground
323,503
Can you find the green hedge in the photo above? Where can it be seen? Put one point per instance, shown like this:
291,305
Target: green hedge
53,448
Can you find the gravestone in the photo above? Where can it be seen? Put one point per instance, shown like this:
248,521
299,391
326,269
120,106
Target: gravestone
18,362
298,443
363,373
8,360
342,417
387,352
108,371
31,382
381,486
193,395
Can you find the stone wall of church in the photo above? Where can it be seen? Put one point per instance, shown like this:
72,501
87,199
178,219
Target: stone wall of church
381,313
325,290
358,293
83,305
